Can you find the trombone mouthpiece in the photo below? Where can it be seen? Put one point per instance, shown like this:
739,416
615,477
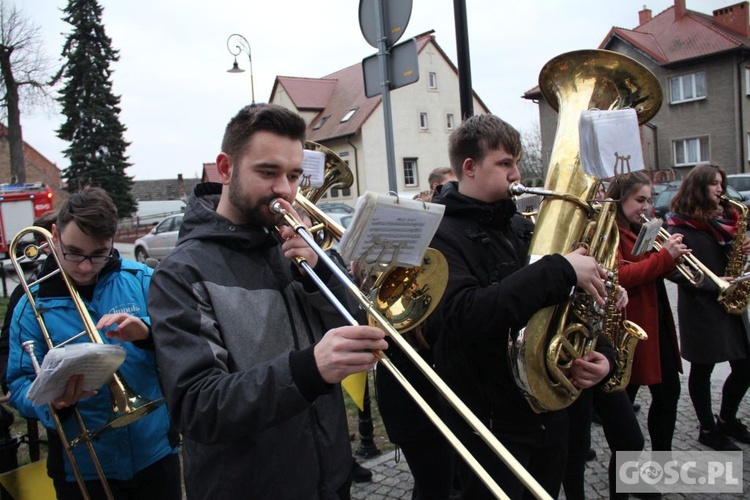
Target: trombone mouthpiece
276,207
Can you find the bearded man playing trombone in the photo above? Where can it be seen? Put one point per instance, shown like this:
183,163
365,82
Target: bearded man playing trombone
251,352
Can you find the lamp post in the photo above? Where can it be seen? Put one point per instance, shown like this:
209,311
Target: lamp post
236,45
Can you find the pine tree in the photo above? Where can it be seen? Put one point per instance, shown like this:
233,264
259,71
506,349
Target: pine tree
93,128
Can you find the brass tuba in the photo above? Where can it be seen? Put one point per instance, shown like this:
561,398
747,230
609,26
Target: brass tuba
572,83
127,406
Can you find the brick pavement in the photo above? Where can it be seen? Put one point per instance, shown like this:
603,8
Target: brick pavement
392,479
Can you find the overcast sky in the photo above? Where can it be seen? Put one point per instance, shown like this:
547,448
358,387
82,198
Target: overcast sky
177,96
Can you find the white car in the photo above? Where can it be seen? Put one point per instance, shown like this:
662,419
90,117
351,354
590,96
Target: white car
159,241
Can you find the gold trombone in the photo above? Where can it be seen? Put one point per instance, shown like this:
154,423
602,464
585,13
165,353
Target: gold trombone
378,313
689,266
127,406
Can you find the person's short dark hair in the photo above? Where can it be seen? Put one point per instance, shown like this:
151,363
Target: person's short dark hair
93,211
479,134
437,175
45,221
261,117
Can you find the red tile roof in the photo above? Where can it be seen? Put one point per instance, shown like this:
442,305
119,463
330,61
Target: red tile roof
336,94
667,38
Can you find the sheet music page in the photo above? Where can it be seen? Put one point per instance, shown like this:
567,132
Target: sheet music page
96,362
647,236
387,229
313,168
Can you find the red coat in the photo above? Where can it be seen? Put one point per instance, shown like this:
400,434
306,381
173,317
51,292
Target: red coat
639,275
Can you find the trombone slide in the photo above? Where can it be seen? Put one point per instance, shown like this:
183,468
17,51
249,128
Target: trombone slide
476,424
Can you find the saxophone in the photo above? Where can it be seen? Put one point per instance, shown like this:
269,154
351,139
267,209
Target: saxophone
734,299
624,336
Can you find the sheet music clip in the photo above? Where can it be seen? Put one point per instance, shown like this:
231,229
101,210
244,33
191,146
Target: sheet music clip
370,267
395,195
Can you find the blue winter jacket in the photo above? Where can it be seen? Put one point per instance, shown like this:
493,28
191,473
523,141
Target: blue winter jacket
122,452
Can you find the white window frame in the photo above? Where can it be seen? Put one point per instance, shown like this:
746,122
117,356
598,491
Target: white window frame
689,84
432,82
450,121
411,172
424,123
692,149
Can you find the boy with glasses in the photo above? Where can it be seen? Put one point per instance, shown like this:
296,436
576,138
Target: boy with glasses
140,459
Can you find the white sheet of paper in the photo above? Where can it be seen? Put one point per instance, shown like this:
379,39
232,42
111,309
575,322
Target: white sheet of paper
96,362
313,168
387,229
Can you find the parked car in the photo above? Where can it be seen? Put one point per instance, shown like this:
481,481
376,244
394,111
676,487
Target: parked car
159,241
331,207
740,182
661,204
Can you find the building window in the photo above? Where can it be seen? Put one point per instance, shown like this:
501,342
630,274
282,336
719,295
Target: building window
432,79
449,121
747,81
423,124
410,172
690,151
688,87
348,115
321,122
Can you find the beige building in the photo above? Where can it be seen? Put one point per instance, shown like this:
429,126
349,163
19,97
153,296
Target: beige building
342,118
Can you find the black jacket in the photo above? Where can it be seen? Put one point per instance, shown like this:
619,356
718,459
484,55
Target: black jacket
491,294
234,330
708,334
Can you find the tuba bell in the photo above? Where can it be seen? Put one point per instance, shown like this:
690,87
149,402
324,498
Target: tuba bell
572,83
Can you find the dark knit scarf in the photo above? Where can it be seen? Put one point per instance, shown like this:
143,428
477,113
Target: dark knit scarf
722,228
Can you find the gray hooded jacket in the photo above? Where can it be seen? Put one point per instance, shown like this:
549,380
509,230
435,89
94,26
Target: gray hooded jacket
234,327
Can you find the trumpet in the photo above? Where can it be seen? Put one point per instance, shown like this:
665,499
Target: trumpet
127,406
696,272
377,315
689,266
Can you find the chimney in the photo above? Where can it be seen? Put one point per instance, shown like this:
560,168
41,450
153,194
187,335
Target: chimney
679,9
181,194
644,16
734,18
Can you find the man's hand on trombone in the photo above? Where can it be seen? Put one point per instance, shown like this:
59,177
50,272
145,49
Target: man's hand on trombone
347,350
293,246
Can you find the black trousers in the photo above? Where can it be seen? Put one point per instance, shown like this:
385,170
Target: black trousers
621,430
662,414
735,387
159,481
542,454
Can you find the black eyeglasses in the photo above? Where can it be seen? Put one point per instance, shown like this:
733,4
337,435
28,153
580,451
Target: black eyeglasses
79,257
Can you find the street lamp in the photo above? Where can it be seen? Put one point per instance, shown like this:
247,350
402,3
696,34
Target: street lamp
236,45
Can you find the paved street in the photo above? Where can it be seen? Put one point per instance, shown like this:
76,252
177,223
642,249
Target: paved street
393,480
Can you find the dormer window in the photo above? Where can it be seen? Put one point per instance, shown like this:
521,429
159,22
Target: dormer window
348,115
321,122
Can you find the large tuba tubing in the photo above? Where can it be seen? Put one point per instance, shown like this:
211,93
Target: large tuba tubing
571,83
127,406
375,313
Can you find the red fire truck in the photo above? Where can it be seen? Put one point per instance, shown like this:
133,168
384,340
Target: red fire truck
20,205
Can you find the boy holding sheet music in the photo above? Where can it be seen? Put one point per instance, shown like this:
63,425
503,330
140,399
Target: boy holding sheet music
139,460
491,294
